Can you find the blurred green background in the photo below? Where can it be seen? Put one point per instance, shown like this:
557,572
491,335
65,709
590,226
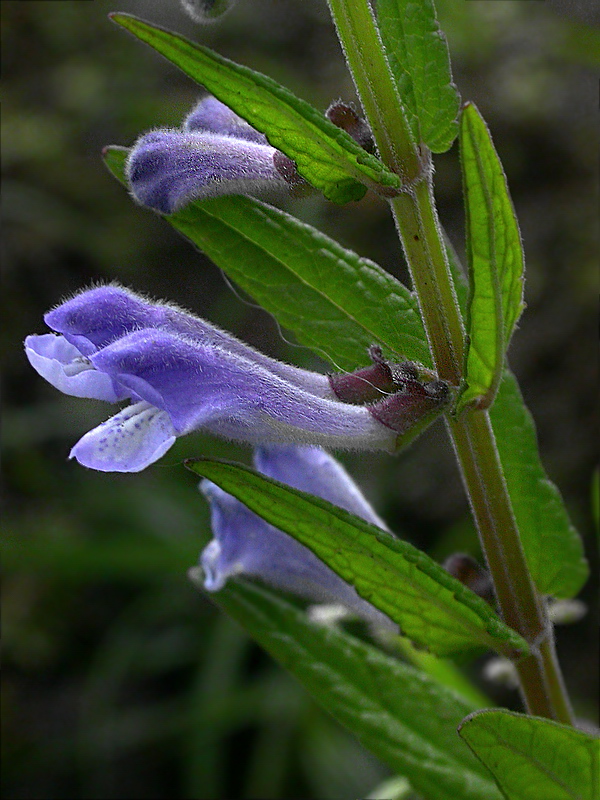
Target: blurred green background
120,680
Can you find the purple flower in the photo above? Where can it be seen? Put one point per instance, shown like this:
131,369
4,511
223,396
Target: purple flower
181,374
244,544
215,152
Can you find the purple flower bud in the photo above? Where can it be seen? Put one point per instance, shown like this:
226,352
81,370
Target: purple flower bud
182,374
215,153
245,544
212,116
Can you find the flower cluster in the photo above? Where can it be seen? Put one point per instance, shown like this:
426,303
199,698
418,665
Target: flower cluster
180,373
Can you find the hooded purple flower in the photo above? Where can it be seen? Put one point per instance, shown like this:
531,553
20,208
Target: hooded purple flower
244,544
215,152
181,374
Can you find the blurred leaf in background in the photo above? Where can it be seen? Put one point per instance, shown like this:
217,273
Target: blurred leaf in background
119,679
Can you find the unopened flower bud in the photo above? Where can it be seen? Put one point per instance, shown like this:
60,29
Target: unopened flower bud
465,569
345,117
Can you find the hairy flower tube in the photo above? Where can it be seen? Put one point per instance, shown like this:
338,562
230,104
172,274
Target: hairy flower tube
244,544
181,374
215,152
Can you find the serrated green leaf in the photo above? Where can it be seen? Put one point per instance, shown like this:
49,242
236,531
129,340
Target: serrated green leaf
533,758
495,257
432,608
325,155
553,547
418,55
405,718
335,302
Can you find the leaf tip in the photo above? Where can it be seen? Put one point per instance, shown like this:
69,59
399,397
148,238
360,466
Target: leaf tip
122,18
467,720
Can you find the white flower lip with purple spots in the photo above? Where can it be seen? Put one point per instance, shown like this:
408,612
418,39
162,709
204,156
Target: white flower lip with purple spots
181,374
244,544
215,152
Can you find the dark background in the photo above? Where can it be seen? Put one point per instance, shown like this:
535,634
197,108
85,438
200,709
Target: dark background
120,680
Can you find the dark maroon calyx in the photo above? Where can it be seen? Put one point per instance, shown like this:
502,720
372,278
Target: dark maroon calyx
363,386
465,569
413,405
373,383
345,117
286,167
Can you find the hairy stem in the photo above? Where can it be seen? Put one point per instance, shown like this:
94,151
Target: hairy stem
376,87
472,435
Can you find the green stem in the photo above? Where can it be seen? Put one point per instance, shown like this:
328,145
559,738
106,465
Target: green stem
376,86
472,434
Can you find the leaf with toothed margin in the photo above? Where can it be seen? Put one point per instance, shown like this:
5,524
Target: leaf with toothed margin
431,607
418,55
496,263
401,715
533,758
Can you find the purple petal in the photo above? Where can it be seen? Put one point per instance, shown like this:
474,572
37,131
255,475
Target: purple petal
245,544
212,116
127,442
206,386
94,318
62,365
313,470
167,169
